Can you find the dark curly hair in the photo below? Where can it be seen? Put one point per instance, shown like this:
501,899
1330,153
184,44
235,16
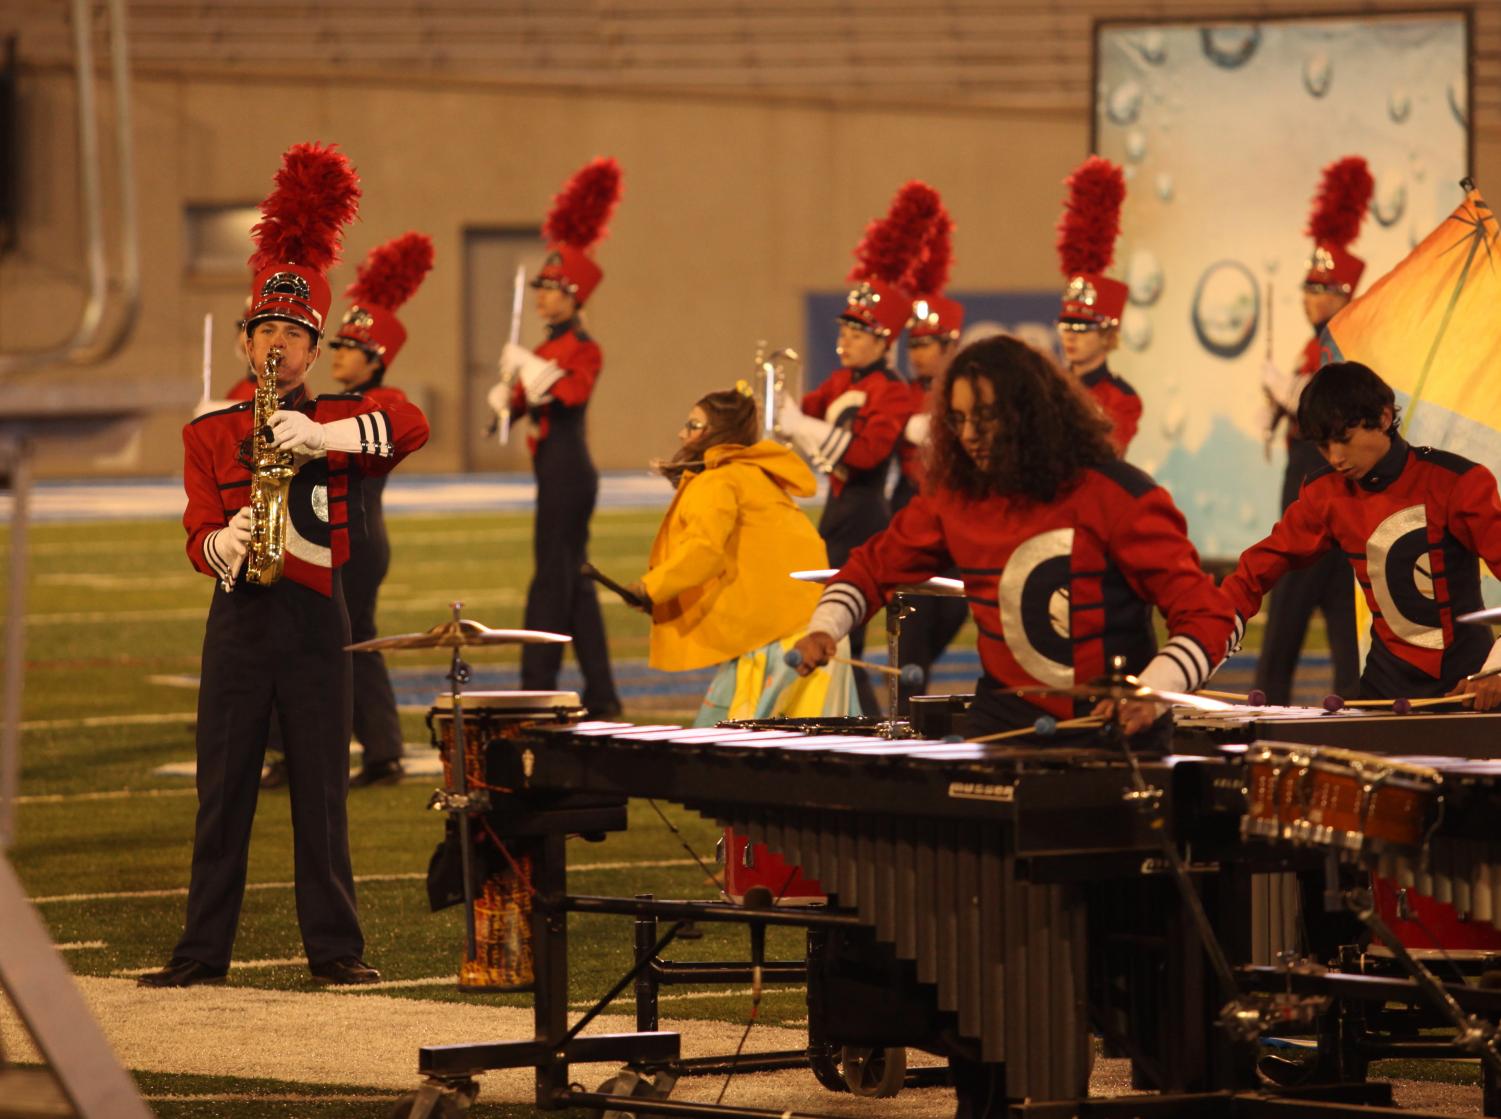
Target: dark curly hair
1049,428
1343,395
733,418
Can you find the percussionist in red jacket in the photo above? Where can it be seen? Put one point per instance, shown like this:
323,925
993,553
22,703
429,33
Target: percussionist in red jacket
1063,548
1414,523
278,646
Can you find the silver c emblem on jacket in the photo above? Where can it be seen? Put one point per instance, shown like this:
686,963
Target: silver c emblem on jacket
1034,603
1398,563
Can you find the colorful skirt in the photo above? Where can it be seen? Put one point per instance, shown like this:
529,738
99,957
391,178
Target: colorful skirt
760,685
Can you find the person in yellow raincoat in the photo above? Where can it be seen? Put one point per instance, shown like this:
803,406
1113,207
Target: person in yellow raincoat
719,579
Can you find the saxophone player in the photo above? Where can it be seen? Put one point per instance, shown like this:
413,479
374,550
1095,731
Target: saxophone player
273,647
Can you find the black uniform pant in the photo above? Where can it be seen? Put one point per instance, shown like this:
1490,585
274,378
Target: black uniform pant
1327,586
849,520
559,598
265,649
376,723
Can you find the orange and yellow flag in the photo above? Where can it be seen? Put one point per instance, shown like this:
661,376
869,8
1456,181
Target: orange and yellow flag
1431,328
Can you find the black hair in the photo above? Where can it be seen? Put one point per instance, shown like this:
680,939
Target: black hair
1343,395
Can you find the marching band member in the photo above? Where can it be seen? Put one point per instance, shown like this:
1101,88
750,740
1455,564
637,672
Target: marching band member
849,426
1090,319
1413,521
552,385
718,589
279,646
932,341
1333,274
1063,548
370,336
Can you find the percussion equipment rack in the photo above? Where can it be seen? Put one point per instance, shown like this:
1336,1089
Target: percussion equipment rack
971,861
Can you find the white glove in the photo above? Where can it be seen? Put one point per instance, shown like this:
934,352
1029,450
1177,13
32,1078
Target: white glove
225,548
819,441
789,414
293,431
1284,389
538,375
919,427
499,397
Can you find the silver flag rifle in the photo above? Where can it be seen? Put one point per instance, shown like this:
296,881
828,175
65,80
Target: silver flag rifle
501,425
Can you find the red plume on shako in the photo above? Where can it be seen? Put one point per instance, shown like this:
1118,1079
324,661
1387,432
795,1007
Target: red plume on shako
578,220
297,240
933,314
1339,207
1087,232
389,275
879,303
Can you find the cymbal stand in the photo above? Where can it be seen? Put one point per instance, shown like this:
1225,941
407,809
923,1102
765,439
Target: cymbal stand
898,609
1240,1017
1473,1034
456,799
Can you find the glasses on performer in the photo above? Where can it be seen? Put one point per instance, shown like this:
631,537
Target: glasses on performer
983,419
693,425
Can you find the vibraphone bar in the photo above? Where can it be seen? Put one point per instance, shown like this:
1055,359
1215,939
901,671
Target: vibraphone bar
1454,734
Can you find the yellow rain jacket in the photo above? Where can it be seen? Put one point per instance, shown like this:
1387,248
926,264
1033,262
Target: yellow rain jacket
719,578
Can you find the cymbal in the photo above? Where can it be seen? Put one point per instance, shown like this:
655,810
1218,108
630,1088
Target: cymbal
939,585
455,634
1490,614
1128,688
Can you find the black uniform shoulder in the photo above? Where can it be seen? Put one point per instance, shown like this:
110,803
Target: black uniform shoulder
240,407
1122,385
1325,471
582,335
355,396
1135,481
1445,460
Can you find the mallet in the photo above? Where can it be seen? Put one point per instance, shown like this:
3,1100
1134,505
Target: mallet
909,674
1255,697
1045,727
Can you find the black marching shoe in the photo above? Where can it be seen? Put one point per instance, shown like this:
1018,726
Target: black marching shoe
346,972
380,773
274,776
182,972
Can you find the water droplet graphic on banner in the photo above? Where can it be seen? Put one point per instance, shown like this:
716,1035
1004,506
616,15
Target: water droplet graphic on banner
1398,104
1164,186
1151,46
1459,101
1318,72
1230,46
1136,329
1144,276
1389,202
1136,145
1124,104
1174,419
1226,307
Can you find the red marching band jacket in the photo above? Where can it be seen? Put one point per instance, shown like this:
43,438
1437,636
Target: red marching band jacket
1120,403
1412,529
1056,589
868,408
216,476
581,359
909,454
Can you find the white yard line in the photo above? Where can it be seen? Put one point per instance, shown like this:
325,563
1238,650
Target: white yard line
110,794
148,720
412,876
79,945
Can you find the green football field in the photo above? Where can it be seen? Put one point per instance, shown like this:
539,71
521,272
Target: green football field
115,620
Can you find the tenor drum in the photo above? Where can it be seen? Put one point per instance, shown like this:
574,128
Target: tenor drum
502,906
1357,805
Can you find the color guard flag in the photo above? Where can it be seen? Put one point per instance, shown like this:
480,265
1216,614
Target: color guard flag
1431,328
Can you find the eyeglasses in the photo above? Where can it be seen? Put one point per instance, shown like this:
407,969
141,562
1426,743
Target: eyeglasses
983,419
694,425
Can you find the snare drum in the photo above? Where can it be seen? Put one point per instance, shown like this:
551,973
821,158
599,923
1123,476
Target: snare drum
502,908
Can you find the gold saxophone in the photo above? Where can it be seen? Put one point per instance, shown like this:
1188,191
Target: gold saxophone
270,478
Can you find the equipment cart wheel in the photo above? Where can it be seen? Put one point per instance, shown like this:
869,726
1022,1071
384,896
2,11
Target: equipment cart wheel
437,1100
874,1073
630,1082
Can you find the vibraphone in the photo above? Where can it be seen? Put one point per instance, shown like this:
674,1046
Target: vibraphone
1454,734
